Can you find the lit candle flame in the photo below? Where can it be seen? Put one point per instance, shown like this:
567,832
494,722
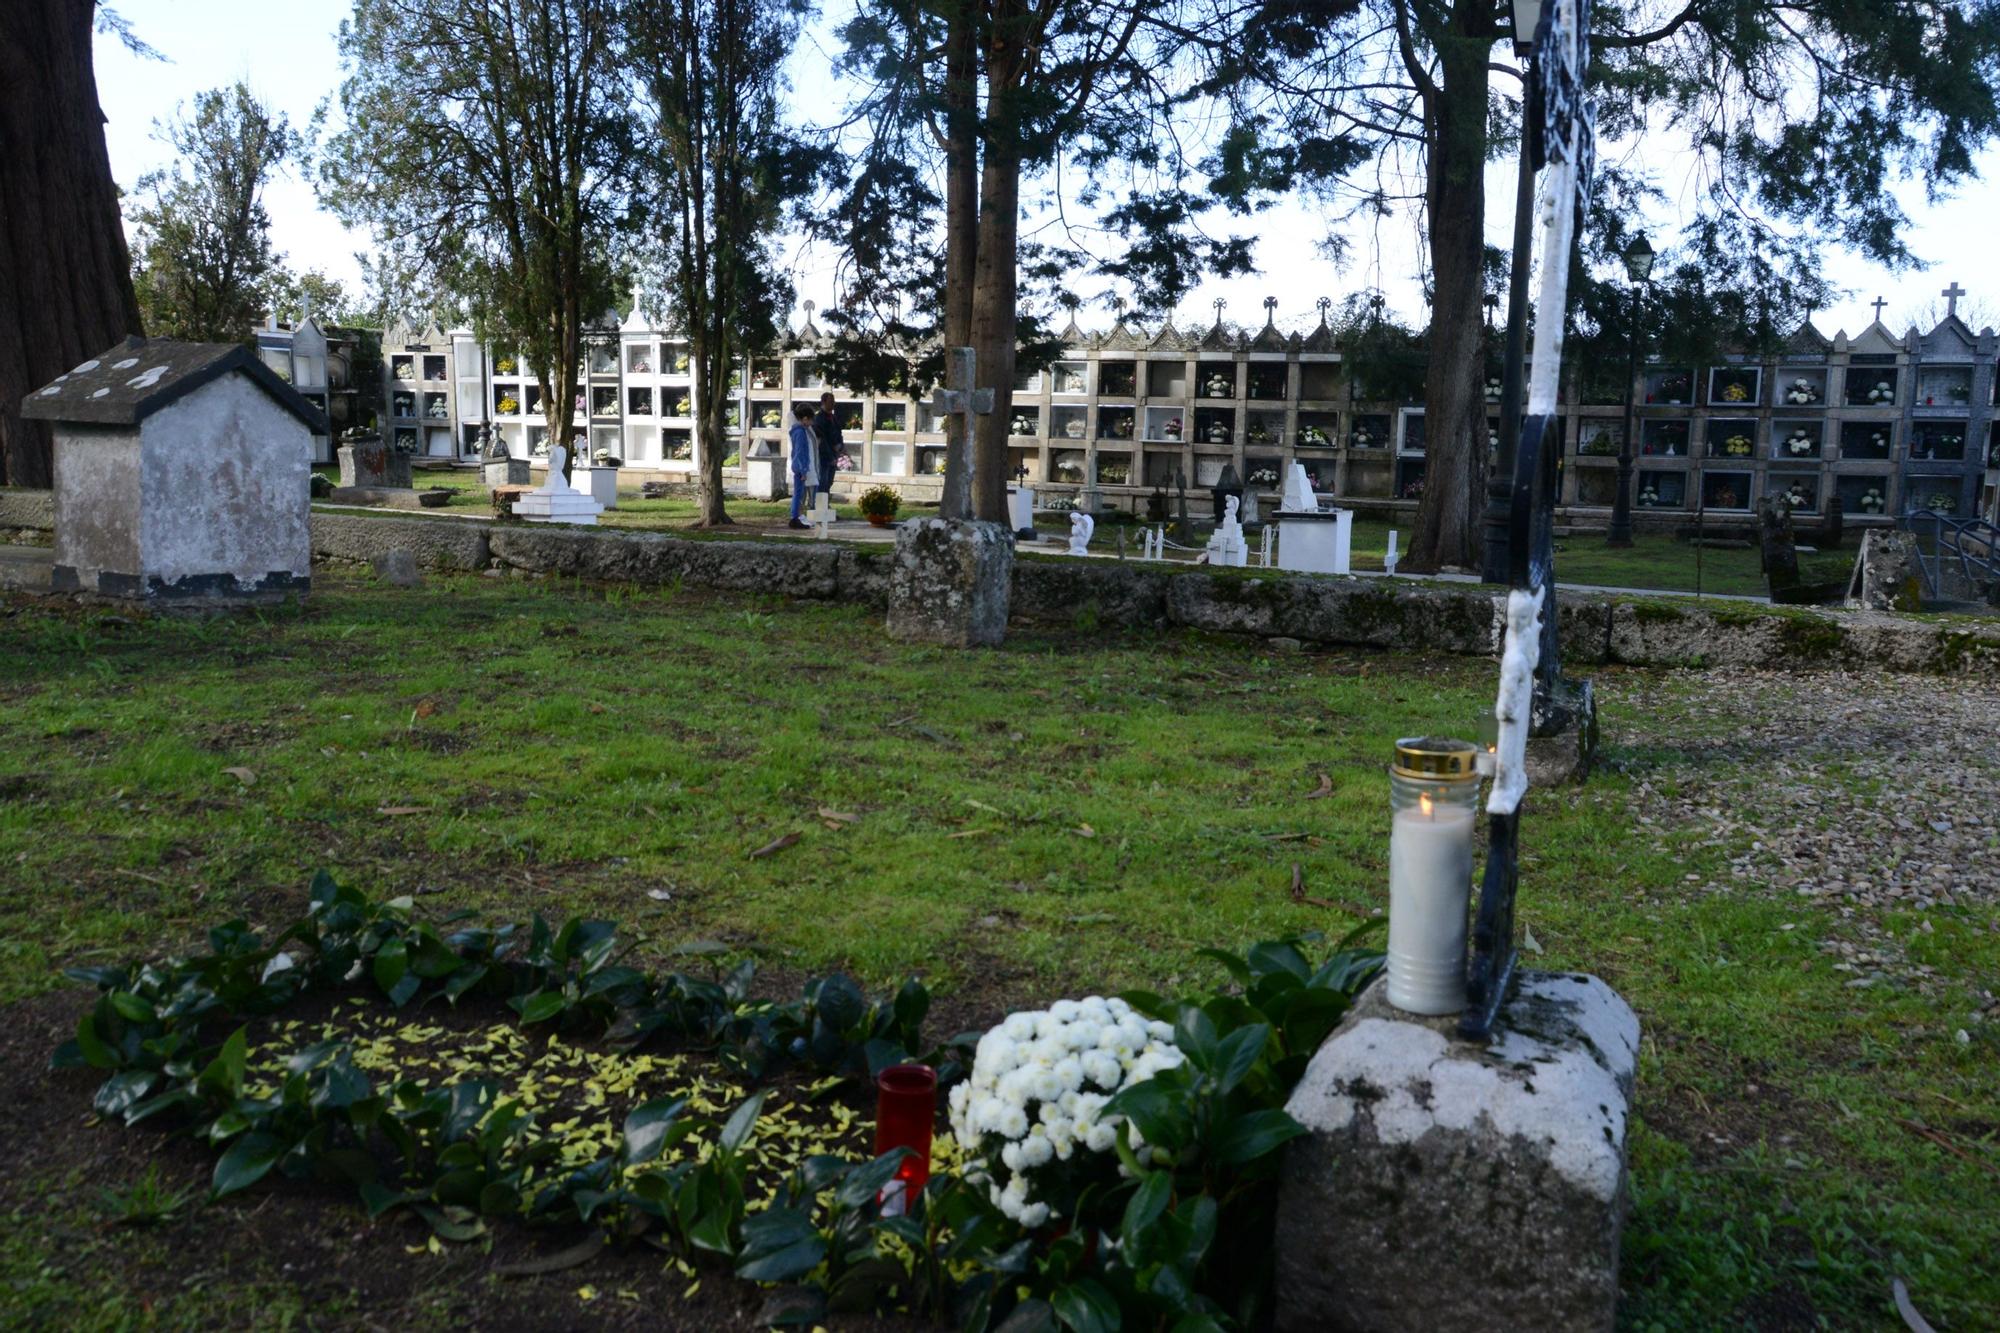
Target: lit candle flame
1424,803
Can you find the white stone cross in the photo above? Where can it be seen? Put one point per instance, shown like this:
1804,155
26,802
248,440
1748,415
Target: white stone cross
820,516
958,403
1951,295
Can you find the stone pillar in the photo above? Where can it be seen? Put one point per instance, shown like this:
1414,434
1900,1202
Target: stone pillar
1445,1185
950,582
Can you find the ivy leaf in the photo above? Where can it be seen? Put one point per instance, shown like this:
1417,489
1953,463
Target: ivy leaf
1237,1055
1248,1137
1086,1307
539,1007
94,1050
866,1181
132,1008
224,1075
392,961
740,1123
1030,1317
246,1161
648,1127
123,1090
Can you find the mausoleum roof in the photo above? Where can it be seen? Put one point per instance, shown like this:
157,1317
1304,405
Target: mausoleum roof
138,377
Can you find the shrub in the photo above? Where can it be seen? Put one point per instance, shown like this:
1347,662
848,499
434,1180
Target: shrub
880,502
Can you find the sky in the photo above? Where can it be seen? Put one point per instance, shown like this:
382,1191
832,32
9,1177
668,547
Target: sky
287,54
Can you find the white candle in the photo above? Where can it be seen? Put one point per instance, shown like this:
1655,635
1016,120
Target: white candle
1430,883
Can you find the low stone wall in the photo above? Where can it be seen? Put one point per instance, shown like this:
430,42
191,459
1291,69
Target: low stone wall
440,544
1371,612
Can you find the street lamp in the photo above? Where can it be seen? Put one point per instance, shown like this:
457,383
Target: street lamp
1638,267
1526,14
1494,562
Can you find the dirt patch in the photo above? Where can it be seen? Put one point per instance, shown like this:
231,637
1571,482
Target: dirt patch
314,1239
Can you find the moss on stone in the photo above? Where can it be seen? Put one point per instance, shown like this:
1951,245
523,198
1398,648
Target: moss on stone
1810,640
1654,612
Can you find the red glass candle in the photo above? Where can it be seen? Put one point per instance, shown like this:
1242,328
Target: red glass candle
905,1110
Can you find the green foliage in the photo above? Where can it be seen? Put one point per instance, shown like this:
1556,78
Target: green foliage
515,210
1180,1237
147,1201
463,1156
880,502
724,173
201,243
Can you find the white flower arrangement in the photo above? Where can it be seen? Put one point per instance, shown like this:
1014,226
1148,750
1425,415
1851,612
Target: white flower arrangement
1871,500
1264,476
1648,496
1802,393
1030,1115
1798,444
1796,498
1494,390
1881,393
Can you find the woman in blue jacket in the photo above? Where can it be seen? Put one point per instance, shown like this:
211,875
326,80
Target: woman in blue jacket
805,468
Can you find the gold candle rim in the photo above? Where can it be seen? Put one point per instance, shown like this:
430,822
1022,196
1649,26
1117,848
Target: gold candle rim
1435,758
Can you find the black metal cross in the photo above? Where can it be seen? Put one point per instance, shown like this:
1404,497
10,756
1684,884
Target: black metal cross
1532,695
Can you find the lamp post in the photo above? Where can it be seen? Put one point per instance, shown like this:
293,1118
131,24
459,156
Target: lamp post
1494,565
1638,266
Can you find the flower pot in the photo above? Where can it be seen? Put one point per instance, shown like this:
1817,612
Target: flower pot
878,520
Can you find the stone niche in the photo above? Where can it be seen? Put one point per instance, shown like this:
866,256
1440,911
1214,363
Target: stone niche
180,475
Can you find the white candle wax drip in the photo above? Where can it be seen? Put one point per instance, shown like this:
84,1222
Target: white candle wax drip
1430,884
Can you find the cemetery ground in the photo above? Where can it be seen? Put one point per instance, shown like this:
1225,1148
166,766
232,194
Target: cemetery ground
1655,561
1794,880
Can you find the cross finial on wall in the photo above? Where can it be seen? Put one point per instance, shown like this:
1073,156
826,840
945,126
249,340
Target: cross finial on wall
1951,295
1325,303
1270,311
1878,303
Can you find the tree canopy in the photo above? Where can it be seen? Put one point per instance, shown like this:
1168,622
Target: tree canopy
1797,124
201,239
488,145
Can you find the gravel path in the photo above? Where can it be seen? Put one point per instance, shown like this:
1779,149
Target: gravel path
1868,795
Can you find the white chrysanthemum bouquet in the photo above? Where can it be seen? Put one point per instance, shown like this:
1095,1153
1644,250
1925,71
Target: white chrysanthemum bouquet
1028,1120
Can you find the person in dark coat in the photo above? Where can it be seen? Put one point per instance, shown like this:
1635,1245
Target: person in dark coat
826,428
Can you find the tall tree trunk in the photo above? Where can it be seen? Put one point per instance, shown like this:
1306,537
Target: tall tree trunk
994,318
65,274
711,385
1449,529
961,231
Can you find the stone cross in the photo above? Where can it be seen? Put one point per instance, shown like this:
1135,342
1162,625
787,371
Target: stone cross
1878,303
1951,295
958,403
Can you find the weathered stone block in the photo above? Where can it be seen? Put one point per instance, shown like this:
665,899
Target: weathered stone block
440,544
950,582
505,472
1887,576
1446,1185
398,568
365,463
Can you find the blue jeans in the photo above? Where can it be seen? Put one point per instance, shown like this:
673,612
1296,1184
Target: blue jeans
800,485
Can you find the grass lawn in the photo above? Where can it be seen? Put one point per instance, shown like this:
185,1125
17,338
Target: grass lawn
1654,560
1074,813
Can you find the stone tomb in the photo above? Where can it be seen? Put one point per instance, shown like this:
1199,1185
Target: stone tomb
951,582
367,463
1445,1186
555,500
1312,540
180,475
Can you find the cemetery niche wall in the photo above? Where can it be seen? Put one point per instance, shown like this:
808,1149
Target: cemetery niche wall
1883,423
180,475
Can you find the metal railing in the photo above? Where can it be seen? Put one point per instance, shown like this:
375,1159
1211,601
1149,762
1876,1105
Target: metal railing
1966,547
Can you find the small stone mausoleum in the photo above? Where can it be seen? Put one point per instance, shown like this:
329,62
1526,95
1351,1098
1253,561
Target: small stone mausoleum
180,475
